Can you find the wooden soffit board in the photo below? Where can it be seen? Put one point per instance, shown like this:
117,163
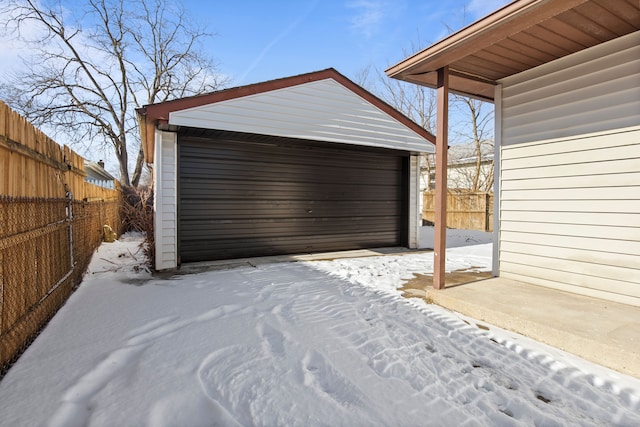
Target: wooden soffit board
522,35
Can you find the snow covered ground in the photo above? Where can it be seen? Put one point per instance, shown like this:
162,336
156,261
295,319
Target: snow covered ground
455,238
328,343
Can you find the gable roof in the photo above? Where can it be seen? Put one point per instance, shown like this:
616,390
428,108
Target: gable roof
322,106
96,172
521,35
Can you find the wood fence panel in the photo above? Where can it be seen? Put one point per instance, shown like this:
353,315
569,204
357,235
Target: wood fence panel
44,250
467,211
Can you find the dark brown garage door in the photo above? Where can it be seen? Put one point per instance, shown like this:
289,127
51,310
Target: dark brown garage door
244,195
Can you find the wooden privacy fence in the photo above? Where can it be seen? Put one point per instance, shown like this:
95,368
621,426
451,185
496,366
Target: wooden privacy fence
50,223
467,211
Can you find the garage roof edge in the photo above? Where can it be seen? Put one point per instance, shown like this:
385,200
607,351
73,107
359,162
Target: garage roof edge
150,115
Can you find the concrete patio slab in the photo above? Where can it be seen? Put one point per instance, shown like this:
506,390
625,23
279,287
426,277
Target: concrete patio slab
600,331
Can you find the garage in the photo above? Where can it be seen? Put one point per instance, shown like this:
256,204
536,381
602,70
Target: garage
304,164
245,196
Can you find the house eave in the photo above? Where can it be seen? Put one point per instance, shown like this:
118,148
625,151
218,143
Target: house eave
520,36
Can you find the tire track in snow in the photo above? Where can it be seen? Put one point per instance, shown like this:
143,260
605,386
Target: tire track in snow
158,323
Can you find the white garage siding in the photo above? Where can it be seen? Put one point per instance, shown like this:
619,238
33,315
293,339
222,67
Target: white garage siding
570,173
323,110
165,187
415,202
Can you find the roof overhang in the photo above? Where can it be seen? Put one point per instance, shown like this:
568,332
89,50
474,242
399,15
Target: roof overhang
515,38
323,106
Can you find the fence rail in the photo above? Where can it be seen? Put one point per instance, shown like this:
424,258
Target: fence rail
50,223
468,211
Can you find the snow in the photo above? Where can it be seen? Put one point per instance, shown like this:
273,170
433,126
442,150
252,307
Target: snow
455,238
302,343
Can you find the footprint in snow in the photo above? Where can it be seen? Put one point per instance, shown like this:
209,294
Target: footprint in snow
326,380
273,340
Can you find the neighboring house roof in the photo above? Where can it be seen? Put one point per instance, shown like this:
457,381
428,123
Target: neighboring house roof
464,154
321,106
95,172
518,37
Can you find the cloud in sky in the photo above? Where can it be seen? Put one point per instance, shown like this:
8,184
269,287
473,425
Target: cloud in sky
13,45
368,17
282,34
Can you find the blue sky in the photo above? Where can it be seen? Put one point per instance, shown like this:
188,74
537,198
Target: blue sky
259,40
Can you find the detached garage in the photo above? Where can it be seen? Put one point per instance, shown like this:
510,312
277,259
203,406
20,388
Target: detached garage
309,163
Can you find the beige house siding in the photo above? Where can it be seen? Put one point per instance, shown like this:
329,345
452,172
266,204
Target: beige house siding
570,173
574,224
590,91
165,185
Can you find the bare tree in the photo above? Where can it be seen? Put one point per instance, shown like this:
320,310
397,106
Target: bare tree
475,124
414,101
476,127
470,120
471,123
92,67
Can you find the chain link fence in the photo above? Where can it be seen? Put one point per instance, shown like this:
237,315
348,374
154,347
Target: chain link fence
45,248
